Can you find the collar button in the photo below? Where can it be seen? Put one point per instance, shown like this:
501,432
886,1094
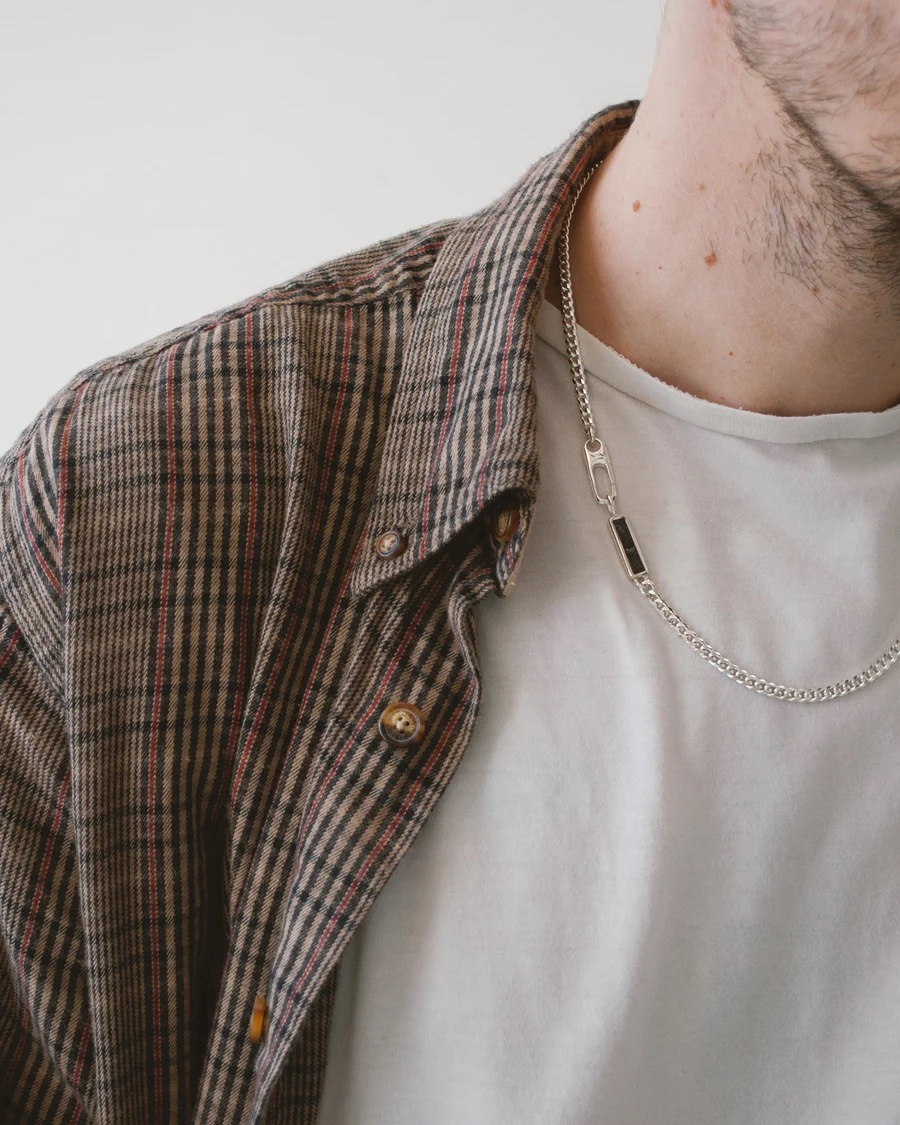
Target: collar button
503,523
390,543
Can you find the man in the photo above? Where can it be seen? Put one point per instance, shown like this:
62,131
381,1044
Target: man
258,610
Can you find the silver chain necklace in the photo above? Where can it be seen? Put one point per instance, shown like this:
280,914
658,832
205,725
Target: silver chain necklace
596,455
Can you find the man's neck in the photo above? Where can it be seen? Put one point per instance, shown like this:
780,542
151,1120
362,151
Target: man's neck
701,251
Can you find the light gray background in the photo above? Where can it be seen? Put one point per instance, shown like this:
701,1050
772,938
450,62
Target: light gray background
165,160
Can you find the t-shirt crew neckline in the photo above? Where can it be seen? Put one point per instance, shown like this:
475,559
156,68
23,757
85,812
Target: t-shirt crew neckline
604,364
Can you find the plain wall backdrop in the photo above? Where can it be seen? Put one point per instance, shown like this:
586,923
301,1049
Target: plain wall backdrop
166,160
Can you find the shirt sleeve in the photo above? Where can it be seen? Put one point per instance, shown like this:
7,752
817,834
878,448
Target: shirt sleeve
45,1036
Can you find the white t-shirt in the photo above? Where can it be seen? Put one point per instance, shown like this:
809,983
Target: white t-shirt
649,895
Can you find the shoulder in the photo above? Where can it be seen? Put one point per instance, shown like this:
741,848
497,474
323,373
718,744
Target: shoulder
380,271
111,421
387,270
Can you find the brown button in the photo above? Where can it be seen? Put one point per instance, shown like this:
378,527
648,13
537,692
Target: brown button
390,543
504,522
401,724
258,1020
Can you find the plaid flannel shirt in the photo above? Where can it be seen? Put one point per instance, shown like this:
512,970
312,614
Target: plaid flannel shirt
200,630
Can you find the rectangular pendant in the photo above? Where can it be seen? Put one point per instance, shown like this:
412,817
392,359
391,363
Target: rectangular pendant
628,548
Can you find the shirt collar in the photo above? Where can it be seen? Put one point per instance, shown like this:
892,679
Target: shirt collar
462,427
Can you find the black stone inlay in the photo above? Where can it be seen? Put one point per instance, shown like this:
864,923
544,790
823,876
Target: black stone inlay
629,547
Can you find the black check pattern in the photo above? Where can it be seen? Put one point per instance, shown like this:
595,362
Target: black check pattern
197,639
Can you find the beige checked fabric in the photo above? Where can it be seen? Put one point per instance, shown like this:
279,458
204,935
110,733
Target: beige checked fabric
198,639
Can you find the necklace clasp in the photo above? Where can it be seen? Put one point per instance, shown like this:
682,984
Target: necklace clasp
595,454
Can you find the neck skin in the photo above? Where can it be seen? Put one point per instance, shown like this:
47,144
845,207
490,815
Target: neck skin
703,250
